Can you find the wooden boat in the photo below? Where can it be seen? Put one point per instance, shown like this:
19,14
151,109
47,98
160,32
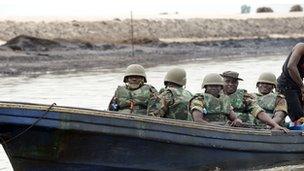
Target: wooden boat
42,137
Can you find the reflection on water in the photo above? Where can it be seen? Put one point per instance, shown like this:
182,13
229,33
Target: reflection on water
95,89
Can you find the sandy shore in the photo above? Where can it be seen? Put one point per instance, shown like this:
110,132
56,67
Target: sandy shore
83,45
119,30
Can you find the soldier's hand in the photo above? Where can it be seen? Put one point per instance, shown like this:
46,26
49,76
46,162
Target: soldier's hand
131,104
237,122
279,128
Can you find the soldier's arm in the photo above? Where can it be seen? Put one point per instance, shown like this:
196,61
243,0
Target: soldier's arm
159,104
297,53
233,118
120,98
197,116
118,101
196,106
259,113
145,103
251,105
262,116
280,111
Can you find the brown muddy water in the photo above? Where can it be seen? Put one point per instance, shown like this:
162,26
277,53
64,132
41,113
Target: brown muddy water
94,89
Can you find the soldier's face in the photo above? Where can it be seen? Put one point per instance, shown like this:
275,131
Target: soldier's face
214,90
135,80
230,85
265,88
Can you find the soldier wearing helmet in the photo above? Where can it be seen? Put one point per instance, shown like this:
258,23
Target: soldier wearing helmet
135,96
244,104
173,100
212,106
273,103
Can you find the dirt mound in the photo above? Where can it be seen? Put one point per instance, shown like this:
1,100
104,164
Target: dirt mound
29,43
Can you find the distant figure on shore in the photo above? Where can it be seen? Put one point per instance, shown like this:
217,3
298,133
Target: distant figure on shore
212,106
173,100
290,83
134,97
244,104
272,102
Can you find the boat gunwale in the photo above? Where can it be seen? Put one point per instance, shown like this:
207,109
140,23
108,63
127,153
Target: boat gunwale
141,118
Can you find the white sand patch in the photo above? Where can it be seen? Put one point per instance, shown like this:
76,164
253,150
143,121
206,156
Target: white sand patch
2,42
285,35
194,39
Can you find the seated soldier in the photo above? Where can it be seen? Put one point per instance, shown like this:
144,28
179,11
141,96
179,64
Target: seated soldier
173,100
244,103
273,103
134,97
212,106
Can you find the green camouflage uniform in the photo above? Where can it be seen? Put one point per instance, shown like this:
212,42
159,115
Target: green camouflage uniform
172,103
214,109
270,103
244,104
141,98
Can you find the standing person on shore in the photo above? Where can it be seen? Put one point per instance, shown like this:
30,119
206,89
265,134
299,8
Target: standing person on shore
212,106
272,102
290,83
244,103
135,96
173,100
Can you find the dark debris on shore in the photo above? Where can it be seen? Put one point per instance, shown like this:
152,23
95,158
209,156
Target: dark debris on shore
24,54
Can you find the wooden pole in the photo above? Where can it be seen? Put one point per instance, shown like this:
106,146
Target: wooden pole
132,34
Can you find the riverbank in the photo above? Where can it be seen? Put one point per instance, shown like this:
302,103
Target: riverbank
65,46
65,56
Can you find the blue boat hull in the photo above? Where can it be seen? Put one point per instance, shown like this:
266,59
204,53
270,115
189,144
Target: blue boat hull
69,138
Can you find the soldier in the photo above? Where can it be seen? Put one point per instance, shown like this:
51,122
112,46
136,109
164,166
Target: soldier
244,103
273,103
212,106
135,96
173,100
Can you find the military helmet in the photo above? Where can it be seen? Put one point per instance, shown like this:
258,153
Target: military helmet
177,76
267,77
213,79
135,70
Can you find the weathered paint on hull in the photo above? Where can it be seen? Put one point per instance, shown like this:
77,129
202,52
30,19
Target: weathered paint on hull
88,151
99,140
